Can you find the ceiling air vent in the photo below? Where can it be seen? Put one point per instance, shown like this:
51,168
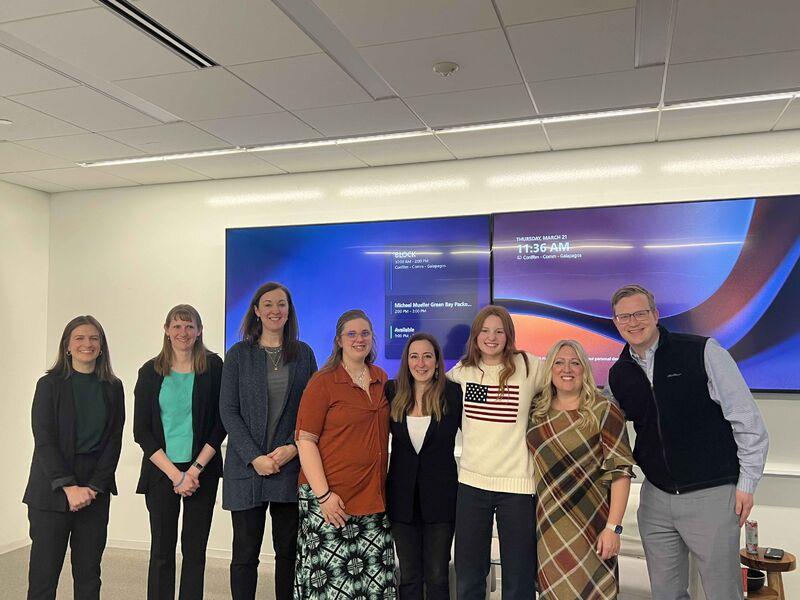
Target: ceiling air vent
158,32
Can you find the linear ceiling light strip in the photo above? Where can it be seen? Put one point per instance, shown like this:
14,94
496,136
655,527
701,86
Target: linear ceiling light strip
158,32
447,130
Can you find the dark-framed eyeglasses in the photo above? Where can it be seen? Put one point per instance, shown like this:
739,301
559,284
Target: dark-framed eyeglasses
639,315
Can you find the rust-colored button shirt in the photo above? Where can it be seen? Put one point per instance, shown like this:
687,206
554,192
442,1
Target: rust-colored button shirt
353,432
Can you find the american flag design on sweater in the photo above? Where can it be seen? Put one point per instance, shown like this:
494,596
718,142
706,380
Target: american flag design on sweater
488,403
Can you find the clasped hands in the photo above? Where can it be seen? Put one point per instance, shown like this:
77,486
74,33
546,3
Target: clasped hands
269,464
79,496
187,482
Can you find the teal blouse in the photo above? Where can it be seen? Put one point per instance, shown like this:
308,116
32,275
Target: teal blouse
175,401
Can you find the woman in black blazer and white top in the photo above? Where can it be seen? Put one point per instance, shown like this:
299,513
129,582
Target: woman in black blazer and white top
78,415
176,422
423,478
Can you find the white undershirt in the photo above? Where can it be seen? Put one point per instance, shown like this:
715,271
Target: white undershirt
417,428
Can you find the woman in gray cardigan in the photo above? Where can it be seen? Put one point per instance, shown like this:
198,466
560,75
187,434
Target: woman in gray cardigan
262,381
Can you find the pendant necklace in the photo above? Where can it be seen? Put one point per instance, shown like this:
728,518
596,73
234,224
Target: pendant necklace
274,355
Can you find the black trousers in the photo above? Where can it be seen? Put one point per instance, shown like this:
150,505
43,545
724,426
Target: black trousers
164,506
248,533
50,531
423,550
516,518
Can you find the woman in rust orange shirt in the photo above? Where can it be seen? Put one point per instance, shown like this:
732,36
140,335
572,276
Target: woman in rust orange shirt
345,544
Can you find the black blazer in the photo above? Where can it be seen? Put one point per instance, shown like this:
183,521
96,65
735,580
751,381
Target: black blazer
53,422
433,471
148,431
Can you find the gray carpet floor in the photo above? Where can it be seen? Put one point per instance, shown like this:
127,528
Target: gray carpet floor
124,577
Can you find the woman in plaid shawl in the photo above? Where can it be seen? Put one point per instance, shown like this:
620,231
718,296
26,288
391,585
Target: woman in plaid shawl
583,469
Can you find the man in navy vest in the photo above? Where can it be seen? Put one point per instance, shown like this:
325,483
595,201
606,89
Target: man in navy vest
700,441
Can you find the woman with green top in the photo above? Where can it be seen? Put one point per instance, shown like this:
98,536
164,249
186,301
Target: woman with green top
176,422
77,417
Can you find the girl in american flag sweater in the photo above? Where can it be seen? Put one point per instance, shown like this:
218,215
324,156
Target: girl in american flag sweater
496,470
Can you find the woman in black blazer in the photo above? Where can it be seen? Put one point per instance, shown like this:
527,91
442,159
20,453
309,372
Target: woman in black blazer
262,382
176,422
423,478
77,417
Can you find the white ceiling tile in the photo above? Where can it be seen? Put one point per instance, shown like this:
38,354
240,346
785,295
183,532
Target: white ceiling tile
385,21
733,76
12,10
324,158
394,152
82,178
203,94
354,119
260,129
232,32
640,87
709,29
22,75
473,106
719,120
83,147
99,42
230,165
14,157
169,138
28,123
484,60
155,172
303,82
86,108
585,45
496,142
791,118
30,181
613,131
515,12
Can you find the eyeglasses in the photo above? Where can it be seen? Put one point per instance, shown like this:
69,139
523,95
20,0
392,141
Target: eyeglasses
351,335
639,315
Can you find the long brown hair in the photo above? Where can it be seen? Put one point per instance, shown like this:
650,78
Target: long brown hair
251,326
433,402
587,395
163,362
335,359
473,355
102,366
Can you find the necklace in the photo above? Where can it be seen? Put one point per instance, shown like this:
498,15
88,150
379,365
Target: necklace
274,355
359,379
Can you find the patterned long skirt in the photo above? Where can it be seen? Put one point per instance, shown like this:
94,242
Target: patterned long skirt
355,562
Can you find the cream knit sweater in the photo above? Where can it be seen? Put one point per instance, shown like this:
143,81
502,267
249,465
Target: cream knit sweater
495,456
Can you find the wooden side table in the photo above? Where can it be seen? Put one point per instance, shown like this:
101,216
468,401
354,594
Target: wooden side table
774,569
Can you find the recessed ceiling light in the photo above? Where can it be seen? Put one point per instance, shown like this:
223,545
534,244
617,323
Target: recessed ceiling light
445,68
6,122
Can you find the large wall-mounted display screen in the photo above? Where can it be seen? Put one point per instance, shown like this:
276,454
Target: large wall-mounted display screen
727,269
414,275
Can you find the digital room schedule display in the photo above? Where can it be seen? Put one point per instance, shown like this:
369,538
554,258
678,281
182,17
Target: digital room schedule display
724,268
412,275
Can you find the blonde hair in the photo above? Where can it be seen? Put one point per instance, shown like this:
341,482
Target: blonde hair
587,395
633,289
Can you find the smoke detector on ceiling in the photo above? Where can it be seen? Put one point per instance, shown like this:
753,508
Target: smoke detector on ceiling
445,68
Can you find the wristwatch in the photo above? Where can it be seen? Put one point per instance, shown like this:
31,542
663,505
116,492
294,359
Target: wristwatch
198,466
615,528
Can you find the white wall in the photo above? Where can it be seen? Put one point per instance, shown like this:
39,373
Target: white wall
24,235
127,255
